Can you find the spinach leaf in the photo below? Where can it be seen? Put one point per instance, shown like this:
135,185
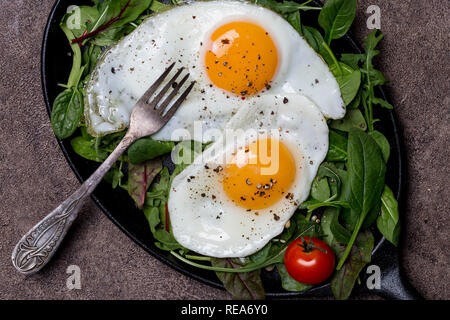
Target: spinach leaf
86,148
337,150
334,232
294,19
371,216
166,241
139,178
67,112
146,149
316,41
366,173
68,106
242,286
388,222
134,9
96,149
157,6
349,81
320,189
344,279
353,119
336,17
288,283
382,142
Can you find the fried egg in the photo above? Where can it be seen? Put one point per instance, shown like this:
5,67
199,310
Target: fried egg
232,49
240,192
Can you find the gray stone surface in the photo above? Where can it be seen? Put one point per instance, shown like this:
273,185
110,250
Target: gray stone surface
34,176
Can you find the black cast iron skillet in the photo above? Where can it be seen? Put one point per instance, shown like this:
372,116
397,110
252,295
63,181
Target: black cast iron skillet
118,206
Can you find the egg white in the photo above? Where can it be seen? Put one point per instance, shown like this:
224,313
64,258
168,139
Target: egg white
179,35
204,219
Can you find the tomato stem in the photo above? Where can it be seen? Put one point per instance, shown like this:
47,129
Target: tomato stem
309,246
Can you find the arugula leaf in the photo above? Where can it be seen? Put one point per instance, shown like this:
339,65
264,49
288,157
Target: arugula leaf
344,279
353,59
242,286
370,76
388,222
366,170
139,178
336,17
146,149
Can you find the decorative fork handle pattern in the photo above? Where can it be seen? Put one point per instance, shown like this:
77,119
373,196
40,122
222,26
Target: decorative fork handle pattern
39,244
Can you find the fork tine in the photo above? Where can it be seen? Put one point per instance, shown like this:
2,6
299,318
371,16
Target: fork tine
178,102
166,102
146,96
163,91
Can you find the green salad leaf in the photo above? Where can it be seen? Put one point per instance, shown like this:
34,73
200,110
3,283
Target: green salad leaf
290,284
67,112
344,279
366,176
383,143
336,17
337,149
353,119
242,286
388,222
140,176
146,149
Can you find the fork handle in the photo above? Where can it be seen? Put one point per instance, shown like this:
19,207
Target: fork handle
38,245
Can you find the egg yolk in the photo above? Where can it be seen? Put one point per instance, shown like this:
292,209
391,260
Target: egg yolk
260,174
241,58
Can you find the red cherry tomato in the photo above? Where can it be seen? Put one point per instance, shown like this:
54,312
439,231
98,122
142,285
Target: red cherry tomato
309,260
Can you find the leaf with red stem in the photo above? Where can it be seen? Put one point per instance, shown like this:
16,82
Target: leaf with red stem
116,14
243,285
140,177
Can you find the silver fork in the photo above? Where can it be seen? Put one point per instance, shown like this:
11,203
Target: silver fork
39,244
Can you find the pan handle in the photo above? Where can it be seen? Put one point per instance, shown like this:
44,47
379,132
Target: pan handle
394,285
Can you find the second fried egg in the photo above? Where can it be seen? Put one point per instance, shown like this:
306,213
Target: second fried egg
240,192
